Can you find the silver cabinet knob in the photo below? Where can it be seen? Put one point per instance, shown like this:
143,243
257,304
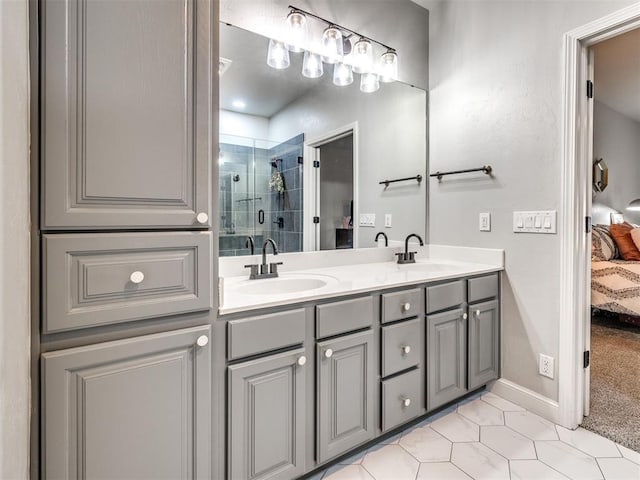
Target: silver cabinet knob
302,360
136,277
406,307
202,218
202,341
477,313
328,353
406,402
465,316
406,349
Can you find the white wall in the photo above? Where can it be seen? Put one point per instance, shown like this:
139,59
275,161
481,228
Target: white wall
243,125
616,138
14,241
496,97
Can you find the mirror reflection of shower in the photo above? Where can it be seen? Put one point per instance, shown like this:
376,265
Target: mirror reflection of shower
260,194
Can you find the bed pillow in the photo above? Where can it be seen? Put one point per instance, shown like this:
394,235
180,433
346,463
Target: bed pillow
621,233
635,236
603,247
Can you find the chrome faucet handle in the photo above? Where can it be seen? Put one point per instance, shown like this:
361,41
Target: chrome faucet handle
254,271
273,268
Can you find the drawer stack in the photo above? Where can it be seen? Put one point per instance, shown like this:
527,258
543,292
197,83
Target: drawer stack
402,357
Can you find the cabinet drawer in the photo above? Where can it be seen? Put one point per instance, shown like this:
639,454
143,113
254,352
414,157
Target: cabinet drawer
99,279
445,296
401,346
399,305
402,399
249,336
345,316
483,287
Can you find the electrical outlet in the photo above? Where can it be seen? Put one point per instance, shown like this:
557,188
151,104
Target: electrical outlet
387,220
546,366
485,222
367,219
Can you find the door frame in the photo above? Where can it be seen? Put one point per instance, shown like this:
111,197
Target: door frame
311,184
575,200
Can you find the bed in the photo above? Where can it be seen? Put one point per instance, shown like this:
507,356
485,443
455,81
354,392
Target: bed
615,283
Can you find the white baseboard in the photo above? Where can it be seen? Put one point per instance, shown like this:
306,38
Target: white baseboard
532,401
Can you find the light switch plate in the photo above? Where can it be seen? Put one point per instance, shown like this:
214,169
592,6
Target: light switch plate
387,220
367,219
485,222
541,221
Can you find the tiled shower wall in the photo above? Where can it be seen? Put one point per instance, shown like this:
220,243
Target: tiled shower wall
287,205
245,172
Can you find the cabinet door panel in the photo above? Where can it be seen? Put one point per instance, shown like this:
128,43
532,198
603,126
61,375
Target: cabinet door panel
447,357
126,113
266,418
136,408
484,343
345,393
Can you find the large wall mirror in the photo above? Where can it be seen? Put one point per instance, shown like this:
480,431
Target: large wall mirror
301,159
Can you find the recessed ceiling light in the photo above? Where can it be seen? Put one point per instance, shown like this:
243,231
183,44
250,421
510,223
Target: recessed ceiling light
239,104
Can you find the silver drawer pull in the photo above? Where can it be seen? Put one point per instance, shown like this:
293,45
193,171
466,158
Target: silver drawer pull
406,402
302,360
202,341
136,277
465,316
406,307
406,349
202,218
477,313
328,353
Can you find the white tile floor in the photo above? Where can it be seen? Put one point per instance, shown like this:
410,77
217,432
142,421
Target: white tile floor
488,437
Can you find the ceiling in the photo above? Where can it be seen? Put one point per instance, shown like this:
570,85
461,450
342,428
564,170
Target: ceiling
249,76
617,73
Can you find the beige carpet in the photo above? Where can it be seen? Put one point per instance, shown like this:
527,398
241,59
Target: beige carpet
615,382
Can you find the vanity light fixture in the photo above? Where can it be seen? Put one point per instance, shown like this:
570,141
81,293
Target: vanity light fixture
389,66
336,48
296,31
363,56
342,74
278,55
312,65
634,205
369,83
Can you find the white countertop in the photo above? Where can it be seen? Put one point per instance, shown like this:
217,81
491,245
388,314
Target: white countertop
433,263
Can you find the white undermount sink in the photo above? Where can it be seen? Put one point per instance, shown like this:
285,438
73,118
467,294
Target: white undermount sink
280,285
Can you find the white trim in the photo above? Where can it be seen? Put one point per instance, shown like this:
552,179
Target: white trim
574,251
311,196
532,401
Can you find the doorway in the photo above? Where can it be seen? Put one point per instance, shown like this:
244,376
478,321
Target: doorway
576,184
330,180
612,333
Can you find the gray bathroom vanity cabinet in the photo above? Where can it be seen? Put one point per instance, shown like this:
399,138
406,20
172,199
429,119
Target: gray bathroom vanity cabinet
126,113
124,142
311,382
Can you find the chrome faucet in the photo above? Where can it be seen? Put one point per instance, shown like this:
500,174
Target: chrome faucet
265,270
386,239
407,256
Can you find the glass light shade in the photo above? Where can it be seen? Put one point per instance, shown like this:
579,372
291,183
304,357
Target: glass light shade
362,56
389,67
342,74
296,32
332,47
312,65
634,205
278,55
369,83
